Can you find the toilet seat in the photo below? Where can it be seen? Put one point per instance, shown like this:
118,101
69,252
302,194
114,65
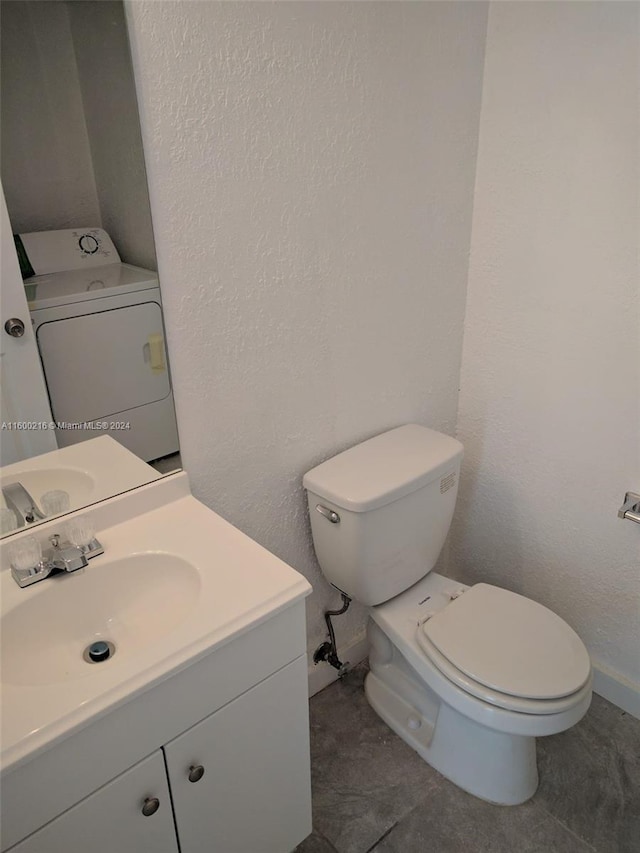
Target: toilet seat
486,694
506,650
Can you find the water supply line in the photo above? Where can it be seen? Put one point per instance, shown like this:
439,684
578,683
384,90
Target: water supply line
328,650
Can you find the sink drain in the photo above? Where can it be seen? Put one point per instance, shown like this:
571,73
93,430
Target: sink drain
99,651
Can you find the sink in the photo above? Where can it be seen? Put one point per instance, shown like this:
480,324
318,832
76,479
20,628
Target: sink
90,471
75,481
174,583
130,602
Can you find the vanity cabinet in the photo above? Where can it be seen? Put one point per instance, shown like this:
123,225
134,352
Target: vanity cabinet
239,782
254,794
111,819
209,717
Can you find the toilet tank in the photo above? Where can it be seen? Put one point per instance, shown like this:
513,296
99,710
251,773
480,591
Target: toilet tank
394,495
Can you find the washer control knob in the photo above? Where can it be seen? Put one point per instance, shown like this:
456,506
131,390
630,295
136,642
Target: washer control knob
88,244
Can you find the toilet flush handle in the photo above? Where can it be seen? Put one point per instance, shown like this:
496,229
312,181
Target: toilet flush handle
331,514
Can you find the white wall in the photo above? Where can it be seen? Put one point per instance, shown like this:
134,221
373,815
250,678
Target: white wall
71,146
311,172
111,113
550,377
47,172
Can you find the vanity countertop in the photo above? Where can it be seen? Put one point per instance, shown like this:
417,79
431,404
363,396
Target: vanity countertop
227,585
89,471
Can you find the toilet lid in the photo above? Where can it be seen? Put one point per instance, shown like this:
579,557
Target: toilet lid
509,643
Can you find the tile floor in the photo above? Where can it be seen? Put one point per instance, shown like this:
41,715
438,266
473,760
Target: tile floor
371,792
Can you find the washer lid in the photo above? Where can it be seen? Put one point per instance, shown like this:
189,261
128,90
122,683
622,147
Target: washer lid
510,644
65,288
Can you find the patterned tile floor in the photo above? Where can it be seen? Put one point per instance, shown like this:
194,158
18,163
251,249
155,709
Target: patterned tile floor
371,792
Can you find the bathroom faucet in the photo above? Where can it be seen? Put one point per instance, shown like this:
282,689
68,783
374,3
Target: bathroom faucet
66,557
20,501
29,564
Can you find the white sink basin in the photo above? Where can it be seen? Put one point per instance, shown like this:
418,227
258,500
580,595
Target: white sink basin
89,471
175,581
128,602
74,481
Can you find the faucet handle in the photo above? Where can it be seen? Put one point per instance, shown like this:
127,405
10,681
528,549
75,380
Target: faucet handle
55,502
26,555
8,520
27,565
80,531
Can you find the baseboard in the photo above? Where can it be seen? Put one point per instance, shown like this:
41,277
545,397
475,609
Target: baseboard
323,674
616,689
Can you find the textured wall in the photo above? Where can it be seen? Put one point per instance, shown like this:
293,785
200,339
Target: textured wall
311,172
47,172
550,378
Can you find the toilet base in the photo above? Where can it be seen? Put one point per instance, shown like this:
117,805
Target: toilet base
494,766
498,768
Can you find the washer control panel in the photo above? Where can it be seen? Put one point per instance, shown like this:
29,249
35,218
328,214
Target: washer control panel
69,249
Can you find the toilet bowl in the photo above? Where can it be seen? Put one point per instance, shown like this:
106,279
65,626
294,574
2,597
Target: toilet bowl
468,676
480,738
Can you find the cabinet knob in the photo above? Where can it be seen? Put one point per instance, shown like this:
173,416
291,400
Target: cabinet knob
196,772
150,806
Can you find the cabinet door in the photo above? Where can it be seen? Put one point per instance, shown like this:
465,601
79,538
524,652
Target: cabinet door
255,794
111,819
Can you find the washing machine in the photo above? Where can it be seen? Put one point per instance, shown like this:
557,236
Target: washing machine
100,333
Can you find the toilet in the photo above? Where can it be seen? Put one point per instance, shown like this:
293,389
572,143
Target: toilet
468,676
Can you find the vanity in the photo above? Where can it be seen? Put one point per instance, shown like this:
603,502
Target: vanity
192,735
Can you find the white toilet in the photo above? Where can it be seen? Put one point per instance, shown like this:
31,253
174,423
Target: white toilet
467,676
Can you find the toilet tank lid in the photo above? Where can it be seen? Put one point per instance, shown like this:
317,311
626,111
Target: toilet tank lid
384,468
